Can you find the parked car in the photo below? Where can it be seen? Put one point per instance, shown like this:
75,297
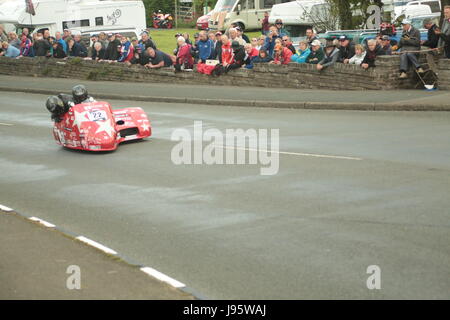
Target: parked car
202,22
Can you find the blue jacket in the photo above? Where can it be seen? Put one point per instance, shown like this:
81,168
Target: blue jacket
206,49
269,45
126,52
64,44
12,52
300,57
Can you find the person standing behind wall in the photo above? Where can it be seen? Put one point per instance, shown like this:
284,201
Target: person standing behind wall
444,33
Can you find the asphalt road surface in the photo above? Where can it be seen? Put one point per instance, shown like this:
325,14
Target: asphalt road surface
310,231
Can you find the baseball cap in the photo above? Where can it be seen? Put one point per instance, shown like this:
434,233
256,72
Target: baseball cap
110,35
427,21
238,28
406,21
343,38
385,37
316,43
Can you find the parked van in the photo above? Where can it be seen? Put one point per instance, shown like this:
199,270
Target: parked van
411,9
248,14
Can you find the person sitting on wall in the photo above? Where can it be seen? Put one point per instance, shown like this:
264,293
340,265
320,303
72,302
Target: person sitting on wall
184,59
410,41
239,56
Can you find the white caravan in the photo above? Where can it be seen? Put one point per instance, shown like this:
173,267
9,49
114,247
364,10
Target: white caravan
57,15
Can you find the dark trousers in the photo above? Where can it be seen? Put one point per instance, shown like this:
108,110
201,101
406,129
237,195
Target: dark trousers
406,59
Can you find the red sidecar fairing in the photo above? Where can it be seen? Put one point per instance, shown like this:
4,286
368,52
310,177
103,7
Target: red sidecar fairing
95,126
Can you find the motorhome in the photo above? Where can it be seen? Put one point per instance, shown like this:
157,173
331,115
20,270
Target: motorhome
248,14
57,15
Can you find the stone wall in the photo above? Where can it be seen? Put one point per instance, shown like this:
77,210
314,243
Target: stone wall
337,77
444,74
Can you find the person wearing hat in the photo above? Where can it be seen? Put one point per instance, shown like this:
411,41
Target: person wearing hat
346,48
146,42
111,51
240,34
409,41
281,31
316,54
433,38
444,33
332,54
66,34
239,56
386,45
282,55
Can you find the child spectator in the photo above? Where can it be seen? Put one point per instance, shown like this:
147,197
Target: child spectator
359,56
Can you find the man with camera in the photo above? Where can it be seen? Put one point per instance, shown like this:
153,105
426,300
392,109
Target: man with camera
410,46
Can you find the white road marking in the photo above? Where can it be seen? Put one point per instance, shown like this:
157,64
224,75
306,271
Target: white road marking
5,124
4,208
161,276
294,153
96,245
43,222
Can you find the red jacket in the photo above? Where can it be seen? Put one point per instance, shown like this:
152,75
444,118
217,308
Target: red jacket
227,53
253,53
184,55
285,57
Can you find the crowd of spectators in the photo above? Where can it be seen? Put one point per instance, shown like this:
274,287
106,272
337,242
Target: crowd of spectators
217,53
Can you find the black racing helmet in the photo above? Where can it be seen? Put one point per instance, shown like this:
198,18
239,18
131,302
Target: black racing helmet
79,93
55,105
